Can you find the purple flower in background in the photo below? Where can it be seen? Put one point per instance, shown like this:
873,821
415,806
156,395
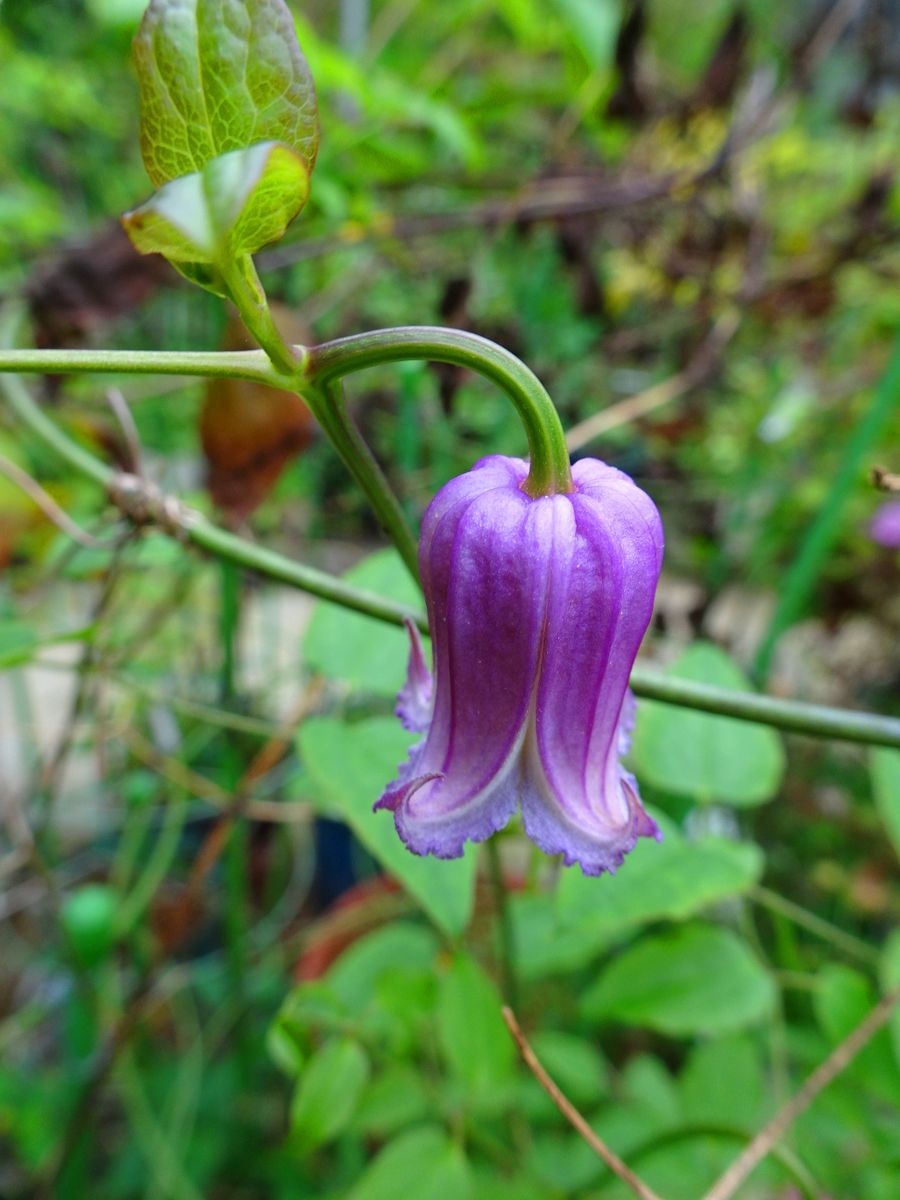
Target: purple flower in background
537,608
884,527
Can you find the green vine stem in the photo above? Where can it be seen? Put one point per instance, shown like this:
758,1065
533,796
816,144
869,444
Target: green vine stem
549,472
792,716
219,364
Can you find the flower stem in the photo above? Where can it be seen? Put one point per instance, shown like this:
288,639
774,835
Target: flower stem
549,472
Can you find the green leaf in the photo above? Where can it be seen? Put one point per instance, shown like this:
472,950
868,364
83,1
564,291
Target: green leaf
116,13
671,879
724,1083
709,758
354,978
328,1092
563,1163
843,999
420,1165
220,75
350,765
473,1038
18,643
366,654
237,203
646,1082
695,979
594,24
889,974
397,1098
884,766
574,1063
311,1008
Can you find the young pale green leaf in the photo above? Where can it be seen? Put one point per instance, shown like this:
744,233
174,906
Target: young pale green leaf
697,979
220,75
327,1093
235,204
709,758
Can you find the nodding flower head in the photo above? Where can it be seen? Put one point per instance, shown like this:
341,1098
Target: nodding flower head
537,607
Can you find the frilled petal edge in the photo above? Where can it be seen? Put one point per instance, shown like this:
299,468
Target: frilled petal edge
444,834
596,850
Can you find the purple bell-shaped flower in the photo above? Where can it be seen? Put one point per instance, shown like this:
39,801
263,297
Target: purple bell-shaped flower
537,607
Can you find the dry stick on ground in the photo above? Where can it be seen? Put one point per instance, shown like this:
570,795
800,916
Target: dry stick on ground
768,1137
571,1113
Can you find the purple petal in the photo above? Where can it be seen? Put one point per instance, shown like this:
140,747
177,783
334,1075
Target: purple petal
884,527
414,698
578,800
483,559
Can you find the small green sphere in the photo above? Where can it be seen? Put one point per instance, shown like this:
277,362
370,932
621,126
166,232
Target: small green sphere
89,923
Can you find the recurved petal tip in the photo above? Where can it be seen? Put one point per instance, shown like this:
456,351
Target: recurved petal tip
415,697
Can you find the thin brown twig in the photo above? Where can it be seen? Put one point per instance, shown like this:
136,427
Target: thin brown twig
769,1136
841,14
122,412
660,393
571,1113
48,505
208,790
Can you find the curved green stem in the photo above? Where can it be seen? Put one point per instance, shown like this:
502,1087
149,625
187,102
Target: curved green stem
549,472
791,715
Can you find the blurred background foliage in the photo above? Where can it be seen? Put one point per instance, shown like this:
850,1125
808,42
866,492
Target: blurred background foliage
684,215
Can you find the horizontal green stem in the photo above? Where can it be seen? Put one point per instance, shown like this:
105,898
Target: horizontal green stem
236,364
790,715
546,441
